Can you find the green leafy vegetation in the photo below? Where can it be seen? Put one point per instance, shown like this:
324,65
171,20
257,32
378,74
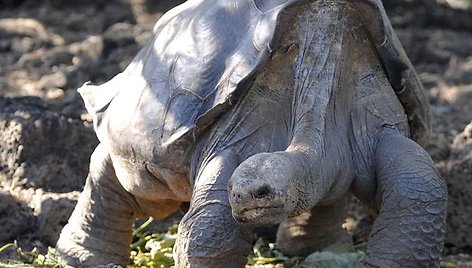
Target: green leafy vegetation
31,258
338,255
154,250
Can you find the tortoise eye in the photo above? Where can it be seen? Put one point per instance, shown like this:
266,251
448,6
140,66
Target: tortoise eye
262,191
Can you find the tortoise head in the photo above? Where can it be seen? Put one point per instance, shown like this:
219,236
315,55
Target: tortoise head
262,190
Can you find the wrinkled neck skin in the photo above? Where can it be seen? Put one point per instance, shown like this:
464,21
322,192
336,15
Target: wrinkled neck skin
314,176
319,149
320,156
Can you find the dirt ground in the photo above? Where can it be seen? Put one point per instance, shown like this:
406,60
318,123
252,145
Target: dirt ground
49,48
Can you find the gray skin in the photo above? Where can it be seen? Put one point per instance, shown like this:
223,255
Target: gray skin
262,112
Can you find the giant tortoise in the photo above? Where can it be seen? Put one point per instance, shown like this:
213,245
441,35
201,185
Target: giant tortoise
262,112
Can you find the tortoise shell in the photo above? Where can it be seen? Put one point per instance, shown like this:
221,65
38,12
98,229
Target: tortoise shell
201,55
400,71
196,67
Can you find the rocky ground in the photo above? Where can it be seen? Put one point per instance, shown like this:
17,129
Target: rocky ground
49,48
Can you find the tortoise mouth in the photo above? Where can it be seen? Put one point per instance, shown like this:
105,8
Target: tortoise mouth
258,216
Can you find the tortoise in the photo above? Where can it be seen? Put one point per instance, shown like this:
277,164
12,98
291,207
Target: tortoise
262,112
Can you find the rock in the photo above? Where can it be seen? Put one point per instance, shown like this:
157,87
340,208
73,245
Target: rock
42,149
34,216
459,71
46,151
23,45
438,147
22,26
54,80
359,220
119,35
53,210
56,57
15,217
458,175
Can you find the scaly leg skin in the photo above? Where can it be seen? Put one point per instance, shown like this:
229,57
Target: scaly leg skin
99,230
411,197
314,230
208,234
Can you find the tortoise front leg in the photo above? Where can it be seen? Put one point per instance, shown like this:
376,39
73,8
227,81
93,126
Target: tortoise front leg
208,234
411,198
99,230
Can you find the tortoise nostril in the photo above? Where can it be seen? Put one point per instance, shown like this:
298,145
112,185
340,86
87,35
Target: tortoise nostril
236,196
262,191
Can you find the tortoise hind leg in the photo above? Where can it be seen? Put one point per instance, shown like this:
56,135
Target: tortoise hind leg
314,230
411,199
99,230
